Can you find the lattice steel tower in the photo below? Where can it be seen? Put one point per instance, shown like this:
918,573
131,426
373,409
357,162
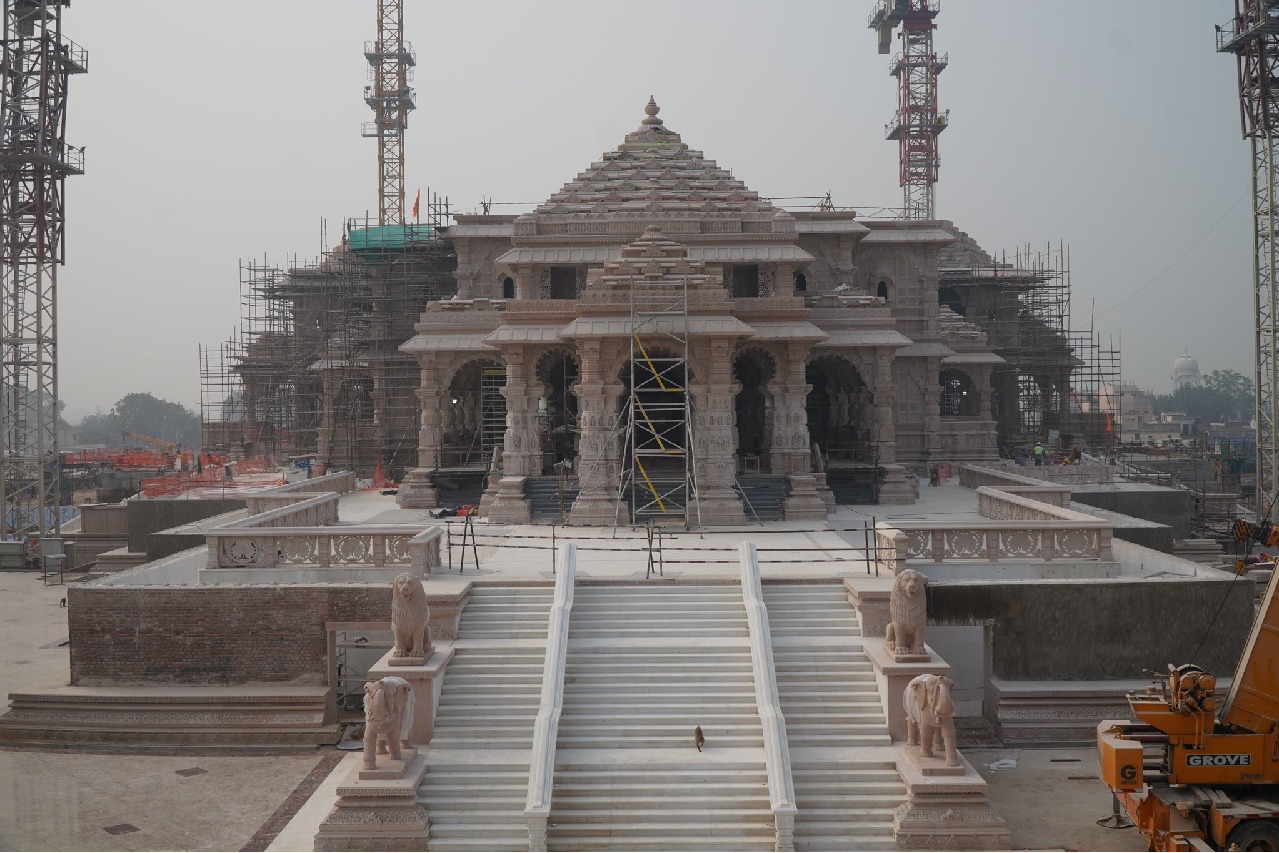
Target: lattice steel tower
917,123
37,62
1253,37
391,62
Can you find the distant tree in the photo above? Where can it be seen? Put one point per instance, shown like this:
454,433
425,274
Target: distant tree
149,415
144,414
1225,395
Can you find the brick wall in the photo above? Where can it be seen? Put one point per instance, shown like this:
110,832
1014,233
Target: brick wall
212,635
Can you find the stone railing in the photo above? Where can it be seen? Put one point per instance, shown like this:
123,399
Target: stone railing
340,482
243,547
975,476
781,789
541,770
890,549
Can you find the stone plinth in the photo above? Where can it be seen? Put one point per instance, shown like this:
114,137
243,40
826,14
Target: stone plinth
388,767
426,680
869,597
893,676
377,814
417,491
509,505
447,598
804,503
899,486
946,812
597,508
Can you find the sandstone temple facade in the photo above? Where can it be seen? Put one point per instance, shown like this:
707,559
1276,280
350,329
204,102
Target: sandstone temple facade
810,347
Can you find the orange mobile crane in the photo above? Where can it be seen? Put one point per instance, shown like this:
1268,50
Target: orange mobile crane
1194,776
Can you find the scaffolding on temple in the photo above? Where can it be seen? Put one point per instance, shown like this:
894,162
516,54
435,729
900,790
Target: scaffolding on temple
314,371
1051,387
659,481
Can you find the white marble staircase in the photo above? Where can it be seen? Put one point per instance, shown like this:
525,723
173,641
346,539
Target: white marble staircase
645,666
845,778
477,767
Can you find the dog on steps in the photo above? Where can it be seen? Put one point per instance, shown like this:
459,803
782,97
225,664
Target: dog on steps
699,739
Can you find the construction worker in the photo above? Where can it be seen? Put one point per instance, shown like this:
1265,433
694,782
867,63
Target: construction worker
1038,453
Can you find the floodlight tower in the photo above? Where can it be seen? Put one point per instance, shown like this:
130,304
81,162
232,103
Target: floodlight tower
36,62
1253,37
917,123
391,62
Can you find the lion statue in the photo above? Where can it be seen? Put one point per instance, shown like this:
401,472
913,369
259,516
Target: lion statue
930,716
409,614
907,614
388,718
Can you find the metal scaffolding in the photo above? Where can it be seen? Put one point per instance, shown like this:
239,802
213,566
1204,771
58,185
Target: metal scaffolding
36,62
660,479
391,61
1253,37
314,370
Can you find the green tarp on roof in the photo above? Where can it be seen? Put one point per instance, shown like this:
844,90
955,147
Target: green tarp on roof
381,239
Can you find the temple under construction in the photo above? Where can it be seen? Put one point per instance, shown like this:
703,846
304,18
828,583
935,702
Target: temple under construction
656,339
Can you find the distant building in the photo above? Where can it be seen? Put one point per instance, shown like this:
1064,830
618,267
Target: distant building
1185,373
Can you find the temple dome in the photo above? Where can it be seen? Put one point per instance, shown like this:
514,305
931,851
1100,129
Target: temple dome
1185,372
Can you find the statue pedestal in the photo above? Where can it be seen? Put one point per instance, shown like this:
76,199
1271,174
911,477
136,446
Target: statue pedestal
947,812
899,486
425,680
377,814
935,766
893,676
388,767
509,506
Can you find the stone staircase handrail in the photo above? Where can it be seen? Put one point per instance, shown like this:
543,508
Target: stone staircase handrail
341,482
974,476
541,771
781,788
313,511
891,548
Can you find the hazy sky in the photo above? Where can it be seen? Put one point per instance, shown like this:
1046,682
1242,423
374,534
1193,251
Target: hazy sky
228,130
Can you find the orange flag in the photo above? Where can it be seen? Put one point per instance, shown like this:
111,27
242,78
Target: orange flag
416,201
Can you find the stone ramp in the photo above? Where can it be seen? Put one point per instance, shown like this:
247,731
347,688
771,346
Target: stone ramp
843,768
246,718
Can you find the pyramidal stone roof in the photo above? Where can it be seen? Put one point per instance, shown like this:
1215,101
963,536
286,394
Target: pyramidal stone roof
654,176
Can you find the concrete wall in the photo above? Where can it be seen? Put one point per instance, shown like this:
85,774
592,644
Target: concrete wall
1164,506
1100,629
152,516
215,635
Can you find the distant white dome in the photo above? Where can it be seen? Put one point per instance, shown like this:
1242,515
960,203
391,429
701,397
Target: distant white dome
1185,372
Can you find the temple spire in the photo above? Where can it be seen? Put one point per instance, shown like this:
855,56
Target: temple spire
650,114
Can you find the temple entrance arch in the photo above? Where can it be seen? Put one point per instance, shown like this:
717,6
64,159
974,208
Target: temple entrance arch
557,409
753,370
840,411
473,421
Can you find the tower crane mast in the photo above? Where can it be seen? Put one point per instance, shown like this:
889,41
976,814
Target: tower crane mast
917,123
391,62
1253,37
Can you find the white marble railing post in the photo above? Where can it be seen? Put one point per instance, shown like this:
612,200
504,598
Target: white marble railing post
541,770
781,787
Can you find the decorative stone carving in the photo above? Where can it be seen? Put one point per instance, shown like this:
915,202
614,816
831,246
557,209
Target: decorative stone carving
409,615
930,716
388,714
908,615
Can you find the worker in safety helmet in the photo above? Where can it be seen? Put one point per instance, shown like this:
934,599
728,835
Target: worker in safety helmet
1038,453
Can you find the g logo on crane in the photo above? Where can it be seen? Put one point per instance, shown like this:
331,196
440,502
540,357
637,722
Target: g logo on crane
1128,773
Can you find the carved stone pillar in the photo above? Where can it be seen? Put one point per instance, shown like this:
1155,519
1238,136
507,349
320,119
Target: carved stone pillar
509,505
417,488
599,451
713,436
932,410
899,485
784,280
792,445
331,382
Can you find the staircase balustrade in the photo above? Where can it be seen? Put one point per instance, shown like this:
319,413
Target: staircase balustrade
541,771
781,789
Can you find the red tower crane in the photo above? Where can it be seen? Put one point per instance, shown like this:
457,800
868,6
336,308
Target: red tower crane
918,122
